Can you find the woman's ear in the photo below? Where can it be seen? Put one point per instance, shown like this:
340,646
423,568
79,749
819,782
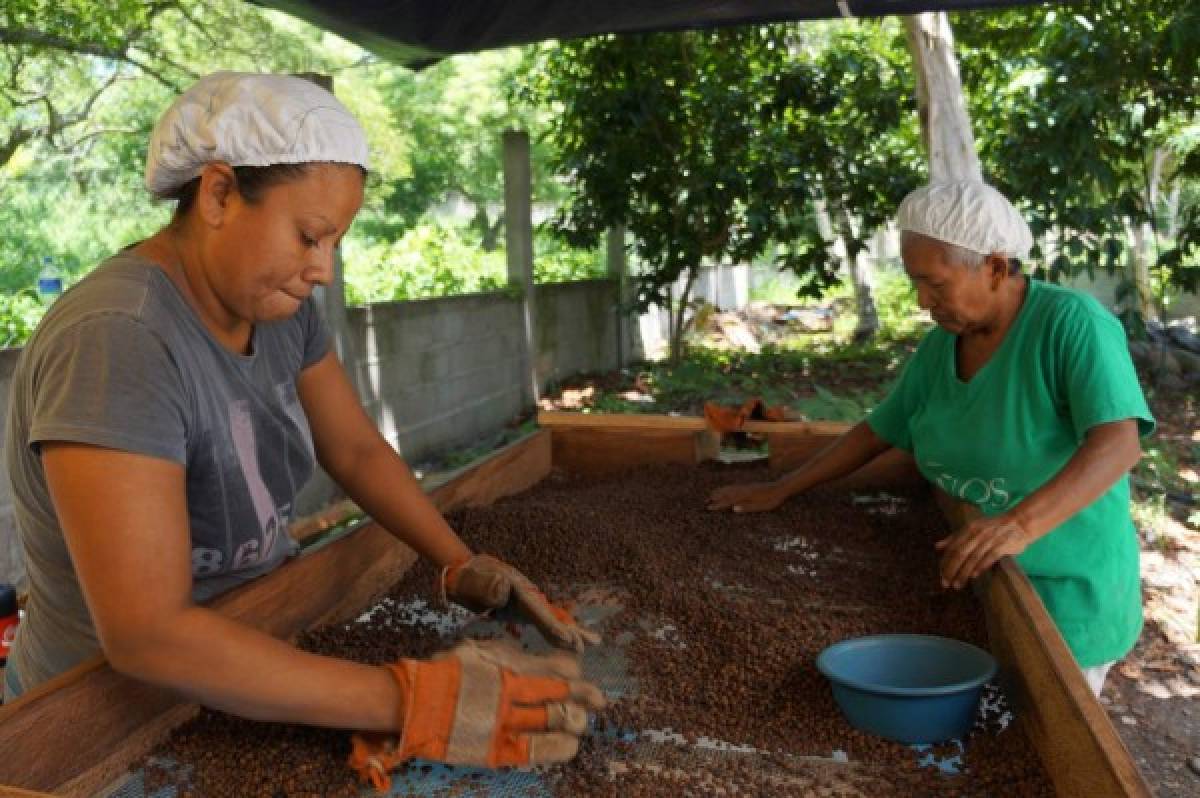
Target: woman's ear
997,266
218,186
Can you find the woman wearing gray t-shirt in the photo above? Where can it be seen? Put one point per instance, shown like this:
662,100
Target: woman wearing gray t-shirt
169,409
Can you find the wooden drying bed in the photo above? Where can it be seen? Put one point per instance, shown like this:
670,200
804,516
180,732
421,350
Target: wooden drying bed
80,732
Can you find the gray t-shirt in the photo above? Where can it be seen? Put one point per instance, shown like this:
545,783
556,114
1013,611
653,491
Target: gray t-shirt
122,361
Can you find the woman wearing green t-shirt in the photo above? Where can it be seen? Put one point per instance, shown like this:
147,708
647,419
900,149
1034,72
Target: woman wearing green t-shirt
1024,402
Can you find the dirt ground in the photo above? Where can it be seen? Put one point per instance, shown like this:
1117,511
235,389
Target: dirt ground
1153,696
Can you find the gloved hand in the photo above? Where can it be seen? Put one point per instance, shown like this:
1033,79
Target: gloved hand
484,704
484,583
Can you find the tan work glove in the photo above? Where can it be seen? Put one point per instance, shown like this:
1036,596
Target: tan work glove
484,583
483,704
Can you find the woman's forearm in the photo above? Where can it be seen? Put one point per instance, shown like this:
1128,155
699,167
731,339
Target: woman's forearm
1107,453
226,665
850,451
351,450
383,485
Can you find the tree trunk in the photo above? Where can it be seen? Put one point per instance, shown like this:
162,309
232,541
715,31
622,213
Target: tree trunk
1173,210
489,230
863,278
1140,267
678,313
1145,241
945,123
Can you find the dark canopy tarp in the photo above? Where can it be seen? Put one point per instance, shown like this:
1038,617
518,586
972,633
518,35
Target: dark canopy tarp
420,31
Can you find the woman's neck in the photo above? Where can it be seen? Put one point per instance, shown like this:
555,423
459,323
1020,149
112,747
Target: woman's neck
166,249
1013,295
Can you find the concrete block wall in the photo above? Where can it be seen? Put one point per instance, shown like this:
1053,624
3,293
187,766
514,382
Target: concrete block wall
448,373
440,373
1104,288
577,329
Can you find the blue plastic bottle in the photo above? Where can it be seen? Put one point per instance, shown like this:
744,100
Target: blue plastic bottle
49,281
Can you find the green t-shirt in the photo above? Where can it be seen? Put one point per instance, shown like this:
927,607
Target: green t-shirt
1062,368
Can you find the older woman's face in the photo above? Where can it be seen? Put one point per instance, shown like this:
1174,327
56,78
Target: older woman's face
961,299
265,258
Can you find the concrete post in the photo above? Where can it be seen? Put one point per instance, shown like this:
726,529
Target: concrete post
618,269
332,299
518,237
945,123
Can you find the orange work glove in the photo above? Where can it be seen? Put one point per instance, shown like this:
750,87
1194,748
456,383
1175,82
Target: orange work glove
483,704
483,583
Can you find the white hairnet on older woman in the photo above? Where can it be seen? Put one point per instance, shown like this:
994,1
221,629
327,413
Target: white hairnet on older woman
969,214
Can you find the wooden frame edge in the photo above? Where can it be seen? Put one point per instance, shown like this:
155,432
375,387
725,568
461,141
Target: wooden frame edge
1063,719
557,419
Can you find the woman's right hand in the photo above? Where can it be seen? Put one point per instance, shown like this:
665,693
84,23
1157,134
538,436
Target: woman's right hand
753,497
482,704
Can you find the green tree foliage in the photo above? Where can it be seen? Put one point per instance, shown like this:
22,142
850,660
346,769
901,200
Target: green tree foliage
1087,112
666,134
847,104
711,145
850,124
453,114
81,85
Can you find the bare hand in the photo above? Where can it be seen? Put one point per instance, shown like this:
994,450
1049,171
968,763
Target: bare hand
979,545
753,497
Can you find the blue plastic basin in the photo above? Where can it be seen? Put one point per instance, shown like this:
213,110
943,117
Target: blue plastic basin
909,688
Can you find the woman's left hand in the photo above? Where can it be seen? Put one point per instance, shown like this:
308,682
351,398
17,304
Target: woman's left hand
483,583
978,545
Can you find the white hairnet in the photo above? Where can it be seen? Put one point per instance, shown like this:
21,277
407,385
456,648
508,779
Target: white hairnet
248,119
969,214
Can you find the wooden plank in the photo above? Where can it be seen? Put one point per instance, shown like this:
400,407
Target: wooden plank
522,463
599,444
313,525
583,446
647,438
14,792
91,716
105,776
79,731
508,471
628,421
596,452
618,421
795,428
1082,752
